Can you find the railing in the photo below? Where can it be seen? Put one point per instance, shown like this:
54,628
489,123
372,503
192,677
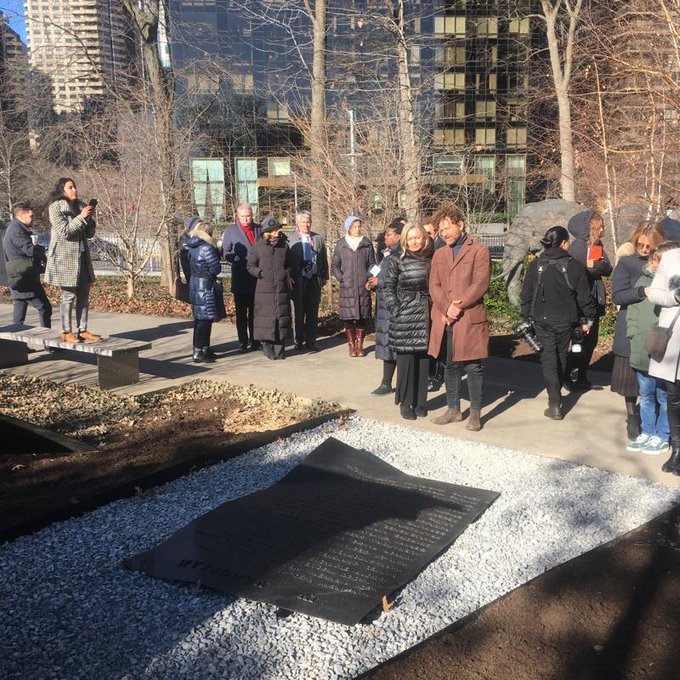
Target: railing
495,243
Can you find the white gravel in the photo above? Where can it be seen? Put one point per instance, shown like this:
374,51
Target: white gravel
68,610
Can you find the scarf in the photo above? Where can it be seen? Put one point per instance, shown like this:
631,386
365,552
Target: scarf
248,231
353,241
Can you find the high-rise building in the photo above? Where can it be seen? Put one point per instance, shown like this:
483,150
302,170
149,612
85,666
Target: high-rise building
80,45
469,68
13,68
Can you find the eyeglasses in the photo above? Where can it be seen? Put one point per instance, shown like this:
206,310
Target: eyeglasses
642,246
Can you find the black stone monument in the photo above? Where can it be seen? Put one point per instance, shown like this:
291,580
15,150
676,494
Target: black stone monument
339,531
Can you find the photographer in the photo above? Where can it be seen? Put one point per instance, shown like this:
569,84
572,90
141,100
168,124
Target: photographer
556,299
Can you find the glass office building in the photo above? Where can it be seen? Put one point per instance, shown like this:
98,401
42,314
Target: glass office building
469,68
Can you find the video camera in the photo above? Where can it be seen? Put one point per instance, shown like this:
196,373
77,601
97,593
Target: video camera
526,331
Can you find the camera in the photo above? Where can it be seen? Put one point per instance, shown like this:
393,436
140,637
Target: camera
576,340
526,330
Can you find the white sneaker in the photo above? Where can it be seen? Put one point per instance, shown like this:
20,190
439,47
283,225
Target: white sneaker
654,446
639,443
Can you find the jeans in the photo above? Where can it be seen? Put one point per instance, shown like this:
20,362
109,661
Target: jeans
80,295
653,406
555,340
453,376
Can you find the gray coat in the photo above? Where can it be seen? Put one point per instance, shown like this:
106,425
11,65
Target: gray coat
67,240
661,293
351,268
625,292
235,249
271,266
22,261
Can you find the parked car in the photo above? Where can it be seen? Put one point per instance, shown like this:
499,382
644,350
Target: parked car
104,251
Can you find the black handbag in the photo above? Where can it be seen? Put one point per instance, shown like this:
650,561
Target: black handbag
656,343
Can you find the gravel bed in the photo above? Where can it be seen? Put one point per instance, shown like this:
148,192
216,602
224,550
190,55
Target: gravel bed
68,610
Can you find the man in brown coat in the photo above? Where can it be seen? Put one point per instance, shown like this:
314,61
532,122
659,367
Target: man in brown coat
460,275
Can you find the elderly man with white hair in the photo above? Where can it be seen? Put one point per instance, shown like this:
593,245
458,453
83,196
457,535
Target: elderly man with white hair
310,263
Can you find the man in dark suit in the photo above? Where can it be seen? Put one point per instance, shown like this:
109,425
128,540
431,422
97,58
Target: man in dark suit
23,258
237,241
310,262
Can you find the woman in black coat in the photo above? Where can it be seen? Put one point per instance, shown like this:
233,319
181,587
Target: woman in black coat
633,257
382,313
353,259
205,290
408,300
270,262
556,299
587,228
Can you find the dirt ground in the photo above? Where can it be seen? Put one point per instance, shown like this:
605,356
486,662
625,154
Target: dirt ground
612,613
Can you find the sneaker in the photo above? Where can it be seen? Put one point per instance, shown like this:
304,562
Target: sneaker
639,442
654,446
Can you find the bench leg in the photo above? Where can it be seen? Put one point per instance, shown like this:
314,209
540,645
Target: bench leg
119,370
12,353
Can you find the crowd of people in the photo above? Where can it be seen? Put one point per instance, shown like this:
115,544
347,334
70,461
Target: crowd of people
429,279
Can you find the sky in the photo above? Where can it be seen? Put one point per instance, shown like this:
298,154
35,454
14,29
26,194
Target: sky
14,9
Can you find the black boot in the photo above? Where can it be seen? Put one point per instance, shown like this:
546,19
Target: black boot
383,388
209,354
633,427
673,463
199,357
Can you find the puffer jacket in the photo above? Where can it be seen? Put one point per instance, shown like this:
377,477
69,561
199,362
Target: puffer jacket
382,312
579,228
205,291
407,297
351,268
271,265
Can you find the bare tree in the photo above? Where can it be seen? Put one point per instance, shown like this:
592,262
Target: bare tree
561,19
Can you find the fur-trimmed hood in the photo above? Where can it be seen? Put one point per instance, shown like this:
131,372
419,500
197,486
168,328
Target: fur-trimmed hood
626,248
196,235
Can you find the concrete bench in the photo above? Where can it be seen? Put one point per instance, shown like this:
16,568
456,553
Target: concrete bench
117,358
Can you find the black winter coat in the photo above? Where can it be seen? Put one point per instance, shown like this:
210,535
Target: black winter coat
271,266
205,291
22,261
382,312
555,303
625,293
351,268
407,297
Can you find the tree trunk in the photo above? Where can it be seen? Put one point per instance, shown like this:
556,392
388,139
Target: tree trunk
566,145
411,163
318,119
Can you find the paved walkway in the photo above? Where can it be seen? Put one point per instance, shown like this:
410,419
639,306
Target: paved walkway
592,433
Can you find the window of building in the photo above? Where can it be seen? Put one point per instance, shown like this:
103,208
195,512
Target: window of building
485,82
202,83
486,165
485,108
485,138
449,26
449,138
448,164
487,27
415,55
246,180
243,82
517,138
449,81
277,112
451,111
515,169
450,55
278,167
520,26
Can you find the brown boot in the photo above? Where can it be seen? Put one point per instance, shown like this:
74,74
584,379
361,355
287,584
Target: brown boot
451,415
349,334
89,337
553,412
359,334
69,337
474,423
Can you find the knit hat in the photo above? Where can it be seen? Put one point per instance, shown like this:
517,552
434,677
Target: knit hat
191,222
671,228
350,221
270,224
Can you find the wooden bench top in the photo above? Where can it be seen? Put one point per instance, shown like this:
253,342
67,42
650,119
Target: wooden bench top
47,337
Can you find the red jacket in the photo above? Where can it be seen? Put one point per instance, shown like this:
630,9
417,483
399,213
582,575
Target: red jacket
465,278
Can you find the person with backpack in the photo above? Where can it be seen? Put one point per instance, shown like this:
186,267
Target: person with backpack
556,299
